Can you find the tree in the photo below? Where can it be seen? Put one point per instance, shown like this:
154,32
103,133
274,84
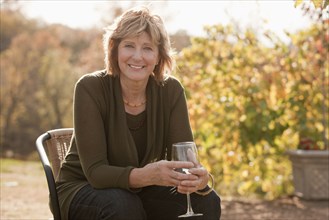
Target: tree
249,103
13,23
37,85
40,64
321,7
180,40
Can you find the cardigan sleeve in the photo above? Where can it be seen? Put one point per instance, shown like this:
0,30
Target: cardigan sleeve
90,137
179,122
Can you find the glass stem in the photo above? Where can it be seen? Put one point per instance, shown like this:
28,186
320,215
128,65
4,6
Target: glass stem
189,206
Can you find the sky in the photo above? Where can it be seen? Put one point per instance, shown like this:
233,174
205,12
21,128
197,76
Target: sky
276,15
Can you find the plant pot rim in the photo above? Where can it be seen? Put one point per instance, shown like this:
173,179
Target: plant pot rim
309,153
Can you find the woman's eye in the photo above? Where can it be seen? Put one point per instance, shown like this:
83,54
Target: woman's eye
129,46
148,48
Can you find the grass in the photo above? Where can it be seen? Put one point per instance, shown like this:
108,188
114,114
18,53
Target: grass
8,165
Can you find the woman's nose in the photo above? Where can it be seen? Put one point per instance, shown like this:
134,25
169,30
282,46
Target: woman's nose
137,54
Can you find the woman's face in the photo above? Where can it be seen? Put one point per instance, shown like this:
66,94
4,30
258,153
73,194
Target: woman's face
137,57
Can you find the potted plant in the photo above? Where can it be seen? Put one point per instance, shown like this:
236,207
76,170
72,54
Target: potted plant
310,167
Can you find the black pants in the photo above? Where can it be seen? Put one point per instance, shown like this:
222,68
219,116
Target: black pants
154,202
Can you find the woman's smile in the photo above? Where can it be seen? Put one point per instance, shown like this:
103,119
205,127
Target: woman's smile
135,66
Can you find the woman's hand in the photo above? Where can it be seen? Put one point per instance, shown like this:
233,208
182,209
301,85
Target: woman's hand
166,174
162,173
192,185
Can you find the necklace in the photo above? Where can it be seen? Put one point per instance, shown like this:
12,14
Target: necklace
134,105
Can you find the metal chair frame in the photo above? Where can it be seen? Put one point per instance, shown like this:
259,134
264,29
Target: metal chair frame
52,147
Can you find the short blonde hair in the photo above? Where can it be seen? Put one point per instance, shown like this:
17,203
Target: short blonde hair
130,24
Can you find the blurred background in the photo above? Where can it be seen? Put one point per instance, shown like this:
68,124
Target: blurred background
255,73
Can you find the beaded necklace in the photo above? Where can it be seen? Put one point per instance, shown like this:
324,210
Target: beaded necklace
134,105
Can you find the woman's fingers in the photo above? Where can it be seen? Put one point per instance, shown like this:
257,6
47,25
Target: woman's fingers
171,173
201,171
188,186
164,172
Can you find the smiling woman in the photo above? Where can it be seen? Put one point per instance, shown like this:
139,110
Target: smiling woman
126,119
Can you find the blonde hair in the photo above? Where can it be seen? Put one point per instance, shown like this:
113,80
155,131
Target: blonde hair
130,24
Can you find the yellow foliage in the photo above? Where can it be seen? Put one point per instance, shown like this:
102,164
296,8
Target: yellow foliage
249,104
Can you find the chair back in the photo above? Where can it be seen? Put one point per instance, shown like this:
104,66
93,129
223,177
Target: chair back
57,146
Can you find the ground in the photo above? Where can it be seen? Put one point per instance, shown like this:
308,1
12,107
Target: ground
24,195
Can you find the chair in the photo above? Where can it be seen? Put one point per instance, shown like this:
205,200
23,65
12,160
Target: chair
52,146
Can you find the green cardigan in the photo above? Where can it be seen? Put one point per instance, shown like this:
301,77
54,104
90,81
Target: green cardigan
102,151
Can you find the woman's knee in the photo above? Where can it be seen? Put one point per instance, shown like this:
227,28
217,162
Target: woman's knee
124,205
209,205
106,204
213,204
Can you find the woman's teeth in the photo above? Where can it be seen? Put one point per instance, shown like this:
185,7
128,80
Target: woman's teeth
136,67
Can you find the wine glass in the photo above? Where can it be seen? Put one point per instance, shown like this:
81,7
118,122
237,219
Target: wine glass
186,151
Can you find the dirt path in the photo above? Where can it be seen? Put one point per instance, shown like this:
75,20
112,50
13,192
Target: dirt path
24,192
281,209
24,195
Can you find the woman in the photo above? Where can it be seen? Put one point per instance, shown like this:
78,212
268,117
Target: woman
126,119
